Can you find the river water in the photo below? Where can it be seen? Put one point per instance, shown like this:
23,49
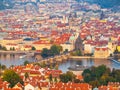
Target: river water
14,59
11,59
89,62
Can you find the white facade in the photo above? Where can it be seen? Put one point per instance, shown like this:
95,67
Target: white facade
88,48
69,47
8,47
29,87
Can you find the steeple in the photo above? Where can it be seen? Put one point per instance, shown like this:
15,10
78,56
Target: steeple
79,44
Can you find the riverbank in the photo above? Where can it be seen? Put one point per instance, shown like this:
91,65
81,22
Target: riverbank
87,57
15,52
116,61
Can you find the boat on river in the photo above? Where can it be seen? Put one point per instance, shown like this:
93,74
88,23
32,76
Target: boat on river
23,56
78,67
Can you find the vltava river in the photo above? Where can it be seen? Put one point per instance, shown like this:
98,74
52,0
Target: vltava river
11,59
14,59
89,62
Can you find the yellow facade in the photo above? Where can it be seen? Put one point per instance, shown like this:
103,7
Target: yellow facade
25,49
87,48
17,87
112,47
5,41
69,47
118,48
41,46
101,53
114,38
8,47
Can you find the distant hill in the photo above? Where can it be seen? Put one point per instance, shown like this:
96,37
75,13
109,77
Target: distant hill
7,4
103,3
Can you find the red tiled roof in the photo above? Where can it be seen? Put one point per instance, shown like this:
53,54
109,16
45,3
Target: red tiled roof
54,33
19,85
12,44
71,86
43,84
79,77
34,84
61,25
103,88
97,49
17,26
119,38
12,89
101,48
24,71
34,72
27,46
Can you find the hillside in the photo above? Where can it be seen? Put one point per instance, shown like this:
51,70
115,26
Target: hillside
7,4
103,3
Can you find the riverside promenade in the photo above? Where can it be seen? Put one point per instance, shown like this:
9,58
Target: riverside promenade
88,57
15,52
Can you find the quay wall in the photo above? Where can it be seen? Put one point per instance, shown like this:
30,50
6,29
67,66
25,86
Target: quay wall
87,57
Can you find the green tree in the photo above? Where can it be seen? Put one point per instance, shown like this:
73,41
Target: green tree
3,67
50,78
0,46
4,48
55,50
117,75
26,62
33,48
11,77
0,69
100,75
100,70
0,65
10,49
56,67
60,48
26,75
66,50
71,75
38,64
55,79
45,53
65,77
76,53
13,48
86,71
116,51
43,64
94,83
51,66
103,79
11,67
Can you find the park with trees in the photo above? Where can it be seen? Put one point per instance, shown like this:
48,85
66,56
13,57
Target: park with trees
101,75
11,77
54,50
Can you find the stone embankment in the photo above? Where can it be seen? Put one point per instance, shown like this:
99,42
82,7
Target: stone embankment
87,57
